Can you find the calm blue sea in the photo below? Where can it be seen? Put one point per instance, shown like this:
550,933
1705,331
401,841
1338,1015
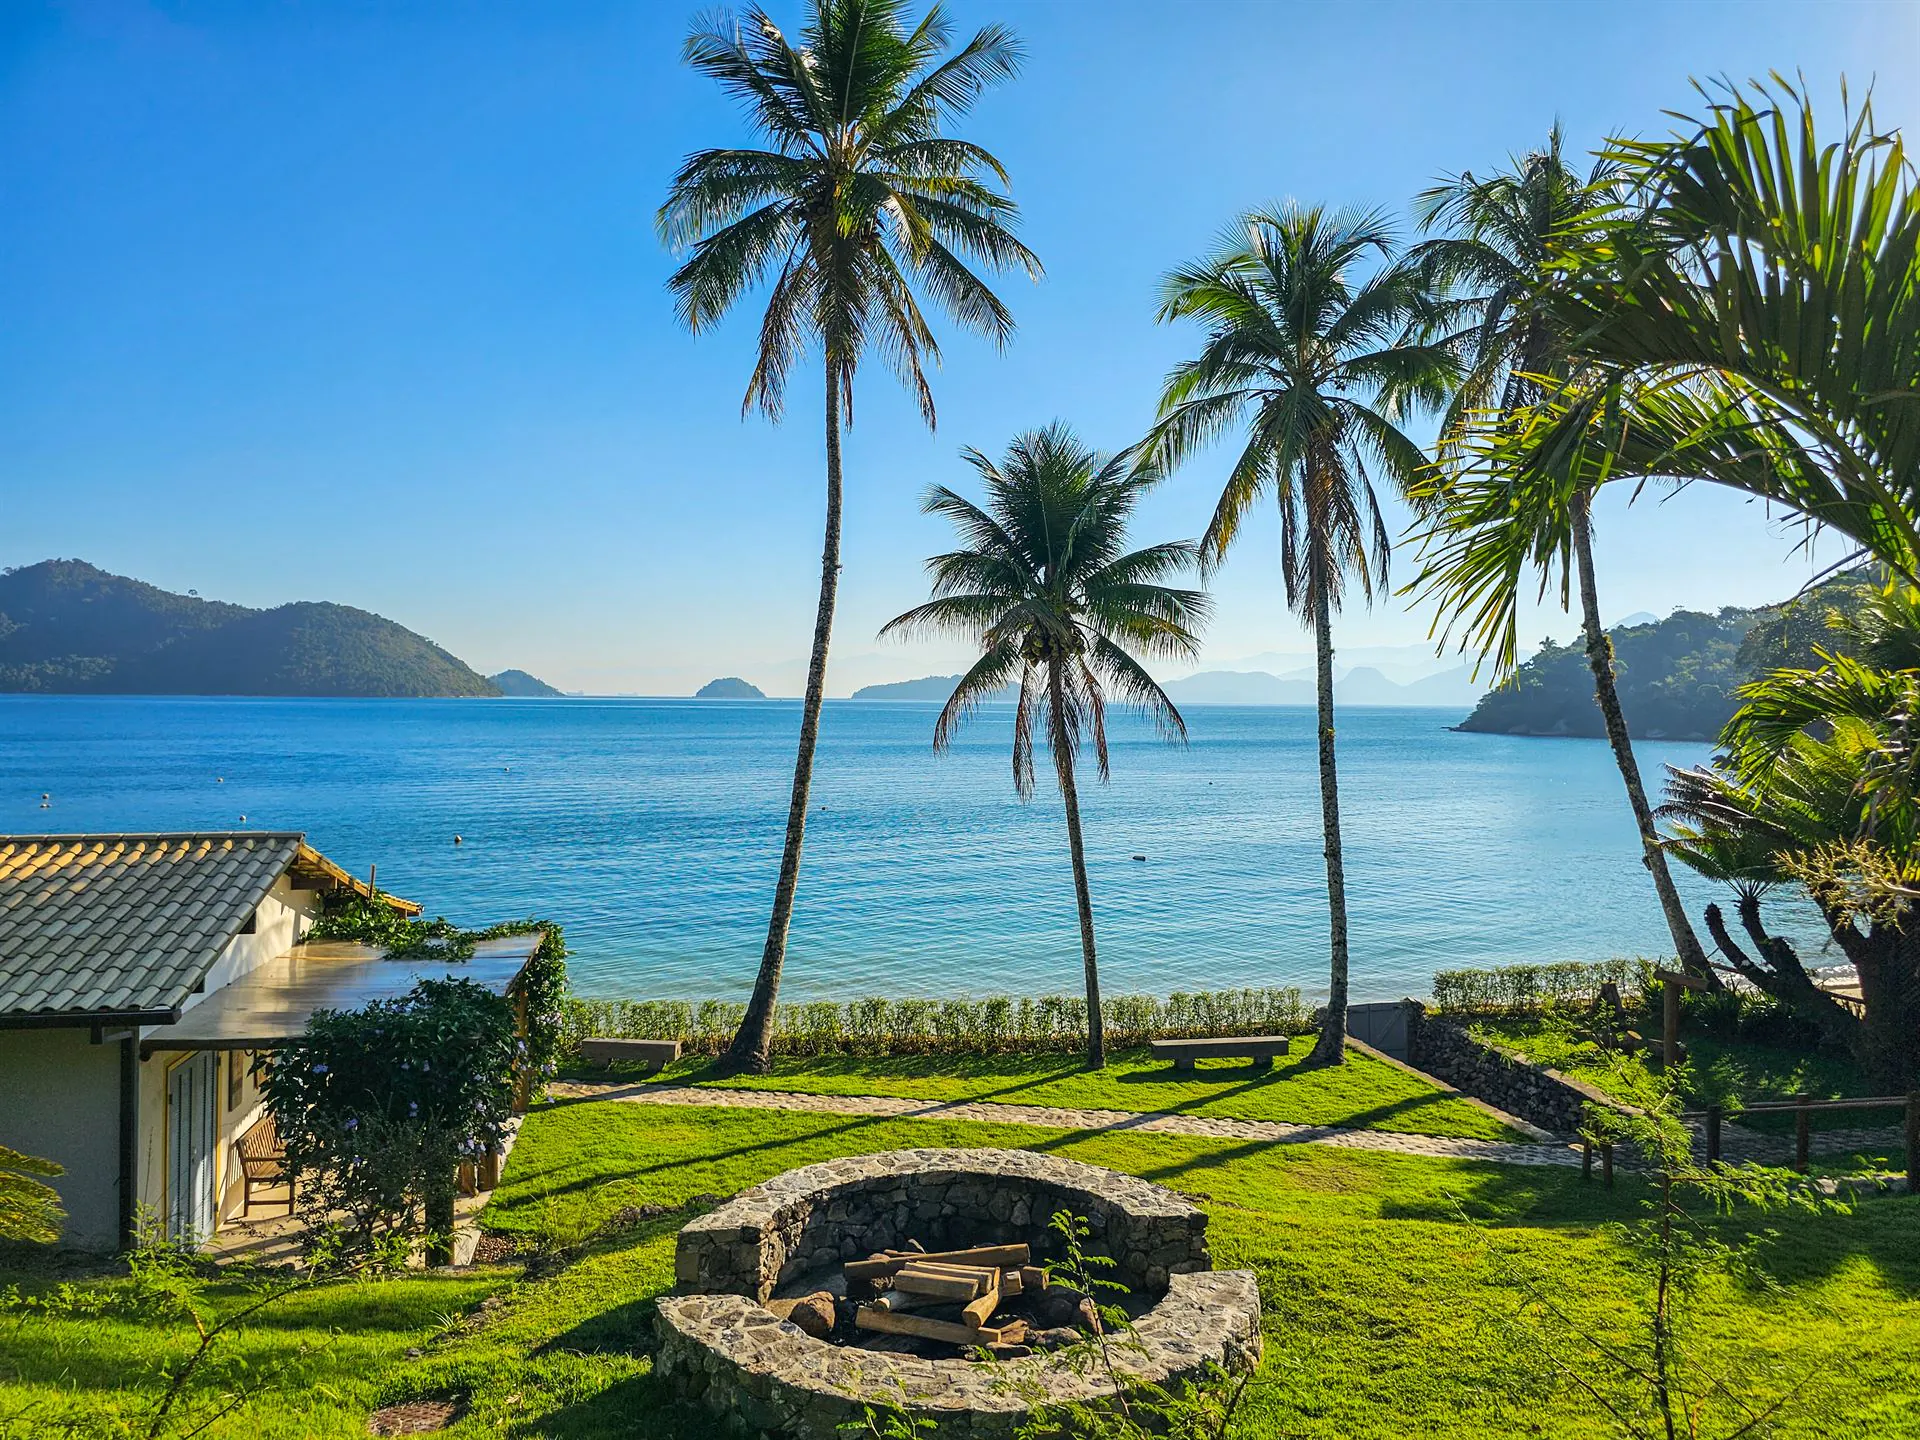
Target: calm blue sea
651,829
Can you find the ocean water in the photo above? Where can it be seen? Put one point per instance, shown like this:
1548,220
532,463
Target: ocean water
651,829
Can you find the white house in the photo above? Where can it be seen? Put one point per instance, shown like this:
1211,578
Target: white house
139,974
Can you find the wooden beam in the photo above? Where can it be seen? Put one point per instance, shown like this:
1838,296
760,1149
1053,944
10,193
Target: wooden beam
957,1288
866,1318
999,1257
981,1310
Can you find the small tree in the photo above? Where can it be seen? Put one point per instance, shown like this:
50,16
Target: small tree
378,1107
1657,1382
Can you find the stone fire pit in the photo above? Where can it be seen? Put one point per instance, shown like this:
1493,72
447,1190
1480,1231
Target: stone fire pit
722,1348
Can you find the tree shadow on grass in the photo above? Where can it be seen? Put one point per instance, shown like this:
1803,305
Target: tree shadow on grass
598,1178
638,1405
624,1329
1800,1249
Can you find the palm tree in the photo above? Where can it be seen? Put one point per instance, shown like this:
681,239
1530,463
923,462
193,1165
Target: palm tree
1316,362
1494,268
858,199
1818,785
1756,324
1043,584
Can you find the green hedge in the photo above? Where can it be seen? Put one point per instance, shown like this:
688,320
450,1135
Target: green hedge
879,1026
1522,988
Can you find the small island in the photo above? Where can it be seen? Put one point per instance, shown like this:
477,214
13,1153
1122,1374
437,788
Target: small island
729,687
520,684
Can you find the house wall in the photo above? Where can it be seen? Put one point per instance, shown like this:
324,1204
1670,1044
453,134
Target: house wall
284,915
62,1103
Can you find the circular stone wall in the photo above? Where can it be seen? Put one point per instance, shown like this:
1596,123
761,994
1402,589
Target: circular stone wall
722,1348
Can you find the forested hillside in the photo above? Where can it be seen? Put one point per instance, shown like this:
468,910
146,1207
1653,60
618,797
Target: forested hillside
69,627
1677,676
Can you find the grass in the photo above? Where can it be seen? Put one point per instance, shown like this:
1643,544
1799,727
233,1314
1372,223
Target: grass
1388,1283
1365,1093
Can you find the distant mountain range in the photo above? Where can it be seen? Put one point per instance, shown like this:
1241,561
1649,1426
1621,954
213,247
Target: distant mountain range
1365,686
730,687
1362,686
937,688
67,627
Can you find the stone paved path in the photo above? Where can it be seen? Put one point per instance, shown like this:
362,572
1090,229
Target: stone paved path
1208,1127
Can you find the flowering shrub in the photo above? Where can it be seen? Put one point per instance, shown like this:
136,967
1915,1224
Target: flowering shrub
378,1106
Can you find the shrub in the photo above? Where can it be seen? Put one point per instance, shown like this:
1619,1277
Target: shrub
378,1106
1510,989
874,1025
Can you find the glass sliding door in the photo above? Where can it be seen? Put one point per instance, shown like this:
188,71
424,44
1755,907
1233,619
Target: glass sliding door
191,1203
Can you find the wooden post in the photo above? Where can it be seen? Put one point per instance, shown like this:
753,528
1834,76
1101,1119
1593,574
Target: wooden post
1802,1132
489,1176
1669,1024
523,1073
1606,1166
1913,1142
1586,1160
1672,982
1713,1133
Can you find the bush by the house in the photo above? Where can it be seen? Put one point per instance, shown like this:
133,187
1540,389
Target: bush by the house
378,1107
879,1026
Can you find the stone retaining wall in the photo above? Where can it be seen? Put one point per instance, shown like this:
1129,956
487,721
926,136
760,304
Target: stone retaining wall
824,1215
1508,1081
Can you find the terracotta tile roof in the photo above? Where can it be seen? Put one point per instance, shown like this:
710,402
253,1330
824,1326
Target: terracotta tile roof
116,924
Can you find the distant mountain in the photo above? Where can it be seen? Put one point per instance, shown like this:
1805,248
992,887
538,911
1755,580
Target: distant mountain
67,627
1676,676
1364,686
937,688
1638,617
731,687
519,683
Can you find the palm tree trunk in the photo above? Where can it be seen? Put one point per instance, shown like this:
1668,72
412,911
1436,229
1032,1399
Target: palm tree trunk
1070,797
752,1047
1331,1049
1686,945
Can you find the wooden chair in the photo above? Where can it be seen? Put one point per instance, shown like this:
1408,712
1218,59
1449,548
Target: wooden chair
262,1162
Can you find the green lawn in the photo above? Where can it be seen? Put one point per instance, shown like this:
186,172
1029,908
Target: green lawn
1364,1093
1385,1280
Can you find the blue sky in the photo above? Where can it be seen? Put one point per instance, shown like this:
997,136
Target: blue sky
363,302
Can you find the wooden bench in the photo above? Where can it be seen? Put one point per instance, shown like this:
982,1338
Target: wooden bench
1260,1049
263,1162
604,1050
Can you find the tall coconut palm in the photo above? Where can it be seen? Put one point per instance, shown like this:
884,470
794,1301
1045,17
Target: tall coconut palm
859,200
1043,583
1493,266
1313,358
